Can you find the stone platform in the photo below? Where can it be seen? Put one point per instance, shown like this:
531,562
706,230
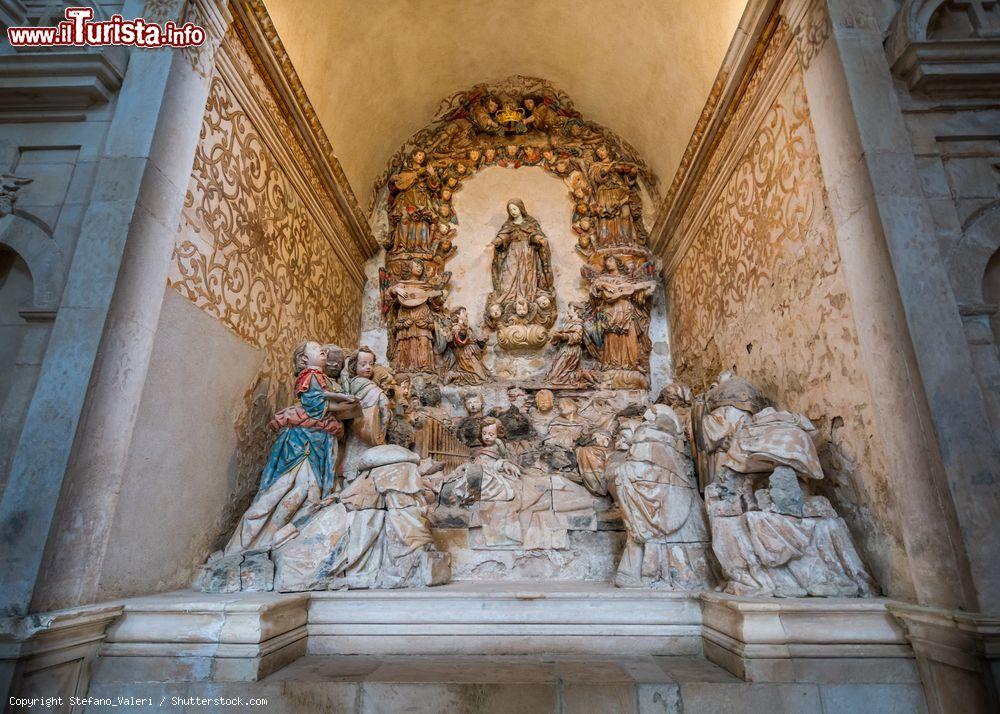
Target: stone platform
191,636
478,647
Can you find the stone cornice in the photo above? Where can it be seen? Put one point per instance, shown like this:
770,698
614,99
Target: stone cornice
254,26
743,55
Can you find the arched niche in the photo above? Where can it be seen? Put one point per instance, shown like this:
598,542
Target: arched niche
521,124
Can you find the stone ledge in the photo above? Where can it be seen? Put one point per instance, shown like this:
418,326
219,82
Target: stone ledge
34,81
805,639
505,618
190,636
54,652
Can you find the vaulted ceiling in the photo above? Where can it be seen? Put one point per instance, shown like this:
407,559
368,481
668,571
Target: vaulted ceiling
376,70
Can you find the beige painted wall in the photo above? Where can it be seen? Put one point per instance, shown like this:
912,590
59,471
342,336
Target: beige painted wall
375,71
182,477
761,290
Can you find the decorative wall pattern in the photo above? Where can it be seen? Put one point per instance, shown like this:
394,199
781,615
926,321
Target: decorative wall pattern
763,214
250,253
759,289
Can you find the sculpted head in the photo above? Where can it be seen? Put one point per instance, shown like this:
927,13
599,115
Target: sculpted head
491,105
308,354
543,301
490,430
529,104
567,407
517,397
543,401
473,404
419,157
495,311
602,152
521,307
364,362
416,269
334,360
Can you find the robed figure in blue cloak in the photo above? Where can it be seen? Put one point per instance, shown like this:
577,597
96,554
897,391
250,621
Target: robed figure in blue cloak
299,473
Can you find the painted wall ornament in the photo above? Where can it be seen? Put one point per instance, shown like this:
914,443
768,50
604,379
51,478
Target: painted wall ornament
522,306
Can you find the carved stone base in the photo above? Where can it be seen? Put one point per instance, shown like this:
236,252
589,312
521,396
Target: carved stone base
53,654
808,639
958,654
522,337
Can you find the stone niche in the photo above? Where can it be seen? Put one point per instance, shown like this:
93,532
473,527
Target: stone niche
482,206
439,209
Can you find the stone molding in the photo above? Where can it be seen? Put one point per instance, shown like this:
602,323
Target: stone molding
945,66
733,133
505,618
45,648
58,81
743,55
761,639
253,25
221,638
961,648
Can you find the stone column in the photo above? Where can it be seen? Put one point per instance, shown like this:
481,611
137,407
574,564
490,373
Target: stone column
100,343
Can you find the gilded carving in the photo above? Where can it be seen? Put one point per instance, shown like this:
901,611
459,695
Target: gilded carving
521,121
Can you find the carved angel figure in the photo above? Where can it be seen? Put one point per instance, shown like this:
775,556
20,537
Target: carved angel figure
467,347
622,319
413,206
415,325
615,200
566,370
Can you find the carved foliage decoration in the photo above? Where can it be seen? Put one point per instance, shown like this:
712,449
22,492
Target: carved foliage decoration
250,252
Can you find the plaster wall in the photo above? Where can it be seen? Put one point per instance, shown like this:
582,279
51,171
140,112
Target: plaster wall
182,480
761,290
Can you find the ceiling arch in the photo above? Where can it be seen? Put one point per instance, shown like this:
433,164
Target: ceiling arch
376,71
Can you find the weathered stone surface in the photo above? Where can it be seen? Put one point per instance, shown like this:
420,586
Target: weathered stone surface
251,571
785,492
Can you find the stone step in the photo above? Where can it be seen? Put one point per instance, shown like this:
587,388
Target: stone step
457,684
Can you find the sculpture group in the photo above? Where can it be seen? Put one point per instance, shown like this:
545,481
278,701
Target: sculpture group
338,507
373,464
515,123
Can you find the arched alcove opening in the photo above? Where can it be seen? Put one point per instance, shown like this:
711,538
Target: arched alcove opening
482,206
22,346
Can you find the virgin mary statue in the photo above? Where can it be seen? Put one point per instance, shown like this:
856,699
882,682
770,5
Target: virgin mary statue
522,305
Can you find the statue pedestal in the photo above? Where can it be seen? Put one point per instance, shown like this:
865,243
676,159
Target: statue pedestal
806,639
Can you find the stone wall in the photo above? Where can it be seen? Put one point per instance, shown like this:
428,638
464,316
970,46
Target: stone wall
263,258
259,265
758,288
